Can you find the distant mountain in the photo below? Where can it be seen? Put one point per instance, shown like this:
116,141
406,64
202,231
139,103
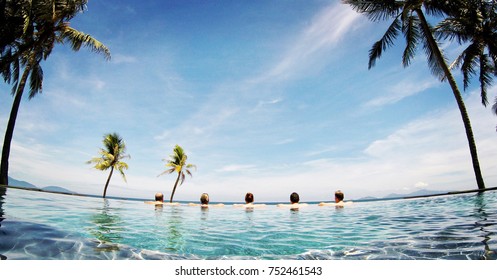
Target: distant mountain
395,195
426,192
368,198
16,183
23,184
416,193
57,189
421,192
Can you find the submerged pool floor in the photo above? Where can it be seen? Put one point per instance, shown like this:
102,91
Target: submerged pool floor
43,226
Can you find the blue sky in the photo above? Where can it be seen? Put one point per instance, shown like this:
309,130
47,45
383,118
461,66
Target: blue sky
269,97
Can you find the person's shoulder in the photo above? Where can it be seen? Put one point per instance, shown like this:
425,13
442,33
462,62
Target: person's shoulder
259,205
326,204
294,205
251,205
153,202
218,205
171,203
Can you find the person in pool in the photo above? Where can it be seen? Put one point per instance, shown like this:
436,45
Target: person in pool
204,202
294,200
159,200
249,202
338,200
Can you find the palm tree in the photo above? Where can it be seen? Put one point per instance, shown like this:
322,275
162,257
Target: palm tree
111,156
177,162
409,19
45,23
473,23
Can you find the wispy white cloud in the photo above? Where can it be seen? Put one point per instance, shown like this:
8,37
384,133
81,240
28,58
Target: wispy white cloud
322,151
265,103
285,141
236,168
421,185
121,58
326,30
270,102
402,90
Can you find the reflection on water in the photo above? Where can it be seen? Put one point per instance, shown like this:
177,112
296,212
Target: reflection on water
204,213
158,209
3,193
482,224
175,240
107,227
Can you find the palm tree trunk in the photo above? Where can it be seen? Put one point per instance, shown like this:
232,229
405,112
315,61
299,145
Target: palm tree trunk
459,99
174,189
108,180
9,133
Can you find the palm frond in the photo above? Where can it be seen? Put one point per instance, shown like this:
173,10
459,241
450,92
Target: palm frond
26,16
182,179
469,65
457,62
191,166
485,78
437,8
376,10
188,172
169,171
436,66
410,28
491,45
451,29
121,171
77,39
35,80
386,41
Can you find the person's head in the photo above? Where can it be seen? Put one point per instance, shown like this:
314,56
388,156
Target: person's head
204,198
159,197
338,196
294,197
249,198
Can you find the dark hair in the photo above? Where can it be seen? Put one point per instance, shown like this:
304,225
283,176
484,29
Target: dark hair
159,197
204,198
294,197
339,195
249,198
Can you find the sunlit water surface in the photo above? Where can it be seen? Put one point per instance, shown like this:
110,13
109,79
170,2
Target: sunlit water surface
36,225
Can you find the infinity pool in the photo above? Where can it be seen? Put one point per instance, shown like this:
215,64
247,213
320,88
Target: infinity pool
39,226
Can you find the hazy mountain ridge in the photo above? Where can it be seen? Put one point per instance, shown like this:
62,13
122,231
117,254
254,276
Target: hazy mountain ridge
57,189
18,183
396,195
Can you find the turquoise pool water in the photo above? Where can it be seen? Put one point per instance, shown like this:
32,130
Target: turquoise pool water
36,225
